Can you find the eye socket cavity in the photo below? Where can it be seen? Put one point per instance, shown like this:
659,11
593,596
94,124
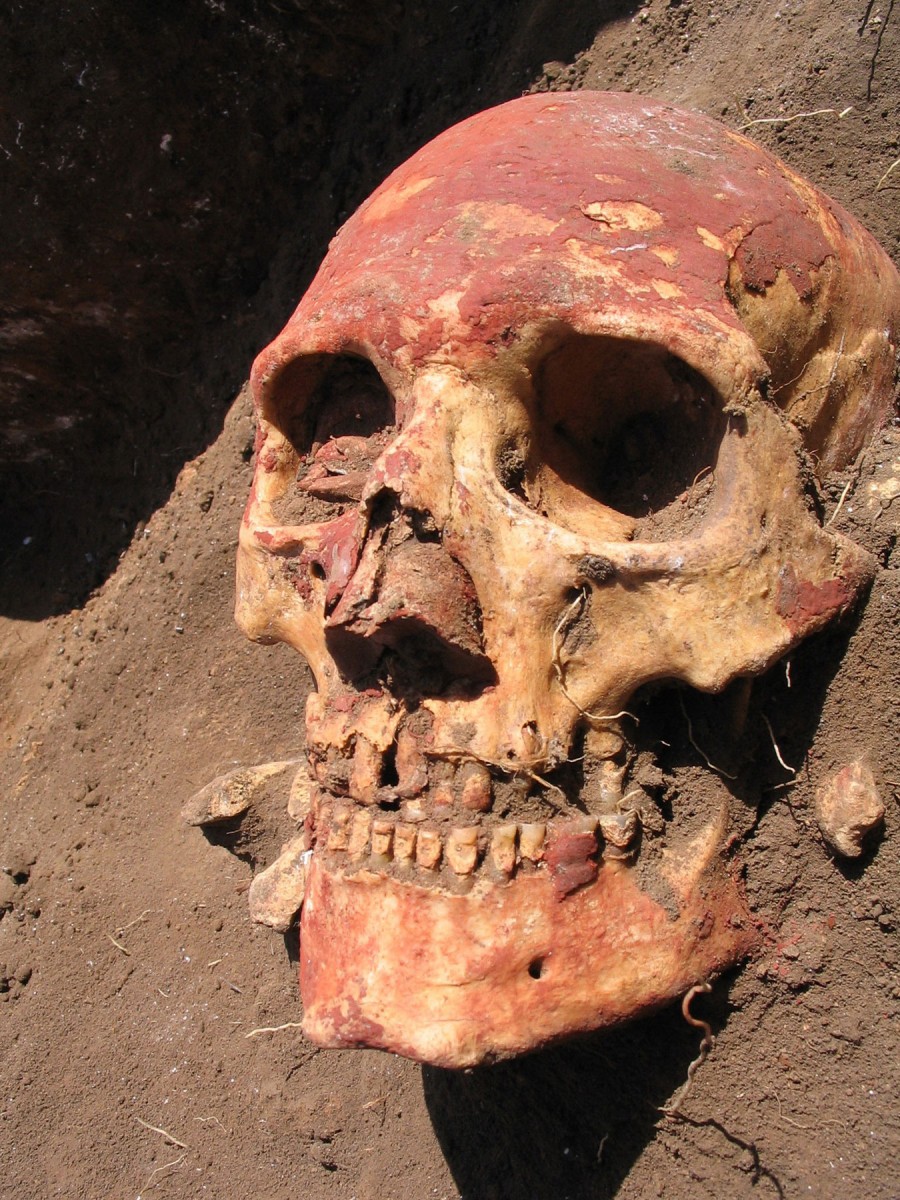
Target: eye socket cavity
338,415
624,439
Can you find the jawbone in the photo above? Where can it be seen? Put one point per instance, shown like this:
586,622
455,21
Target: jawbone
395,961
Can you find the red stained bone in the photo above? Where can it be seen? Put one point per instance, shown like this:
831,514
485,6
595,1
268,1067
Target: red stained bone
457,980
805,605
421,587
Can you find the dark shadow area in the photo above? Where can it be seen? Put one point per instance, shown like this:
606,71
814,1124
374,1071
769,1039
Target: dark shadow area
568,1122
172,176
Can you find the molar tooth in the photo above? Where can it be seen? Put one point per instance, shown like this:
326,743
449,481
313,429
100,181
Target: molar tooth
360,829
441,780
404,842
461,850
339,833
428,848
619,831
412,768
365,775
382,837
503,848
531,841
476,787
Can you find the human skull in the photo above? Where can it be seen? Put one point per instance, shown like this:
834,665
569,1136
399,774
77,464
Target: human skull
538,436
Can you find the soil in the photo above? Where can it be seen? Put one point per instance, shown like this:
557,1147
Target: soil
149,1028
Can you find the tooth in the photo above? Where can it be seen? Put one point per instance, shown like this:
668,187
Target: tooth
339,833
365,776
462,849
382,837
404,843
531,841
603,743
503,848
476,787
610,786
359,833
428,848
413,810
333,771
619,831
412,769
441,780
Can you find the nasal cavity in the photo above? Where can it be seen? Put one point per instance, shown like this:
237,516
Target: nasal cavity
424,608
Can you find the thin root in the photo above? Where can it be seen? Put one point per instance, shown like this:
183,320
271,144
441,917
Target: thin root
673,1108
176,1162
274,1028
883,180
559,671
690,729
163,1133
816,112
793,770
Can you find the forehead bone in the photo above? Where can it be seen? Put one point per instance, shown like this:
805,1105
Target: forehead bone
616,215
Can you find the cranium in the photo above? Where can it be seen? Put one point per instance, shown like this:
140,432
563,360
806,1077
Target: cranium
538,436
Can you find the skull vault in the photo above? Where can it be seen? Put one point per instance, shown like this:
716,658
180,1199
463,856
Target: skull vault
543,434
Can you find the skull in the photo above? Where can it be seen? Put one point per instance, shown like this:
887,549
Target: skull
538,438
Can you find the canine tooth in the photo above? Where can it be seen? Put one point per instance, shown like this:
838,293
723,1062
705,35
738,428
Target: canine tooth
461,850
428,848
404,842
412,769
382,837
339,833
360,829
503,848
365,776
476,787
531,840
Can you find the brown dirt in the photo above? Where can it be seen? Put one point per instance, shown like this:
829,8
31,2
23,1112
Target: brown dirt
133,975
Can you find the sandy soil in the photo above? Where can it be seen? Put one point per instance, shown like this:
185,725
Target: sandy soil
134,986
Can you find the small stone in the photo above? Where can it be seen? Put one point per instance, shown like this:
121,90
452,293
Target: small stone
7,892
849,810
276,894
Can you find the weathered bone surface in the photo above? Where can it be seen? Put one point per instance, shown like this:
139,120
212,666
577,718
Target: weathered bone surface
539,434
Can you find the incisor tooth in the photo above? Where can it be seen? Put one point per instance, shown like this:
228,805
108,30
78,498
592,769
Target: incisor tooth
476,787
503,848
365,776
339,833
382,837
428,849
360,829
461,850
531,841
404,842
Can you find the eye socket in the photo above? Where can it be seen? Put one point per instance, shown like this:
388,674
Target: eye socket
624,425
338,415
